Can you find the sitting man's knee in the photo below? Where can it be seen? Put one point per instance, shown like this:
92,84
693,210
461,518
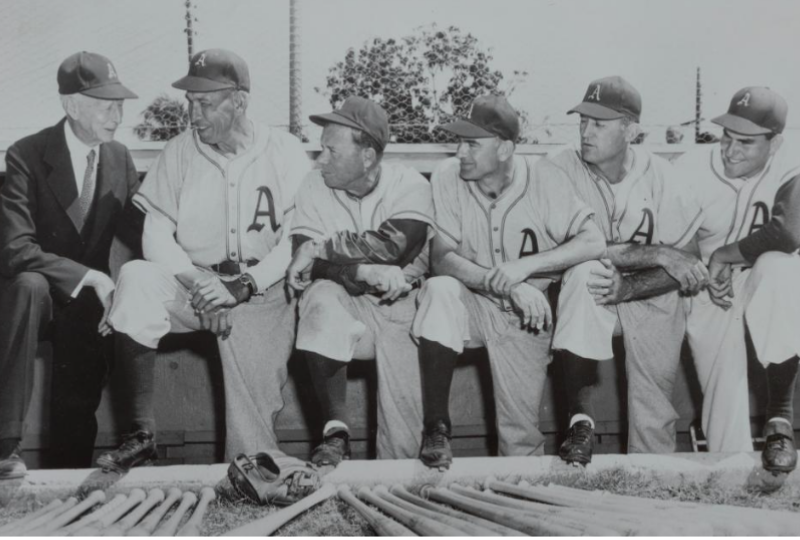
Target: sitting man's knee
135,271
321,292
31,284
775,265
440,287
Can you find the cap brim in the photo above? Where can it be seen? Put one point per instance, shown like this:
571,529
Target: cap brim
596,111
333,118
467,130
190,83
109,91
740,125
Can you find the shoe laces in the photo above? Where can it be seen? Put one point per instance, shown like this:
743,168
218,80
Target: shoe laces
580,433
778,442
131,441
438,436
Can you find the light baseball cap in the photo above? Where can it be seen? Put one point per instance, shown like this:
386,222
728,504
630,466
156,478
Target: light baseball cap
610,98
755,110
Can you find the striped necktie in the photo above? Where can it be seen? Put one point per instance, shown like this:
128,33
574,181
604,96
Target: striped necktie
87,192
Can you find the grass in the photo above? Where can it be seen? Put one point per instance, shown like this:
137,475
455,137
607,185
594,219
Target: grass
336,518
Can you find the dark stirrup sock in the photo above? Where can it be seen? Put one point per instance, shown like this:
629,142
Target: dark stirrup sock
139,365
329,378
9,446
780,389
580,378
436,365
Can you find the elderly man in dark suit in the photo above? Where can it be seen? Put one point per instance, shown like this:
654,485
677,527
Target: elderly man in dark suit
60,207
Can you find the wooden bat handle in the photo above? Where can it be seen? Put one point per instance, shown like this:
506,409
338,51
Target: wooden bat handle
383,525
169,527
269,524
95,497
192,526
146,527
8,528
120,527
90,518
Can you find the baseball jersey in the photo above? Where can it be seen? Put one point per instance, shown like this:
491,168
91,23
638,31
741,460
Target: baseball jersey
733,208
222,208
537,212
646,207
401,193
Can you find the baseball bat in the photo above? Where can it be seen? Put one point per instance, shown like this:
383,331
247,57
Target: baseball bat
416,522
502,530
91,517
121,527
192,526
169,527
271,523
499,515
149,524
45,518
95,528
589,524
95,497
383,525
8,528
469,528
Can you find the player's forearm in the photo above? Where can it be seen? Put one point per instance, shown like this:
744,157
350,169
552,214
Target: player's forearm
782,232
343,274
729,254
587,245
467,272
647,284
159,245
272,268
634,256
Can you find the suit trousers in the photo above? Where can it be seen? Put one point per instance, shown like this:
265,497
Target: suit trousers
81,364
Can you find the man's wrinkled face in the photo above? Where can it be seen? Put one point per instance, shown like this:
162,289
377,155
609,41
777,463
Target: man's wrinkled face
95,120
745,155
602,140
341,162
212,114
479,158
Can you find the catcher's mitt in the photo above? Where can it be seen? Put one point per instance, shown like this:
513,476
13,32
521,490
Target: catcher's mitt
264,480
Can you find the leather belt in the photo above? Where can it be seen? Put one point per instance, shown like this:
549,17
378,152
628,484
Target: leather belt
233,268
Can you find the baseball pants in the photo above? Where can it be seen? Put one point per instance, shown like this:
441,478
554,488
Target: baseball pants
450,314
344,328
652,331
150,302
767,299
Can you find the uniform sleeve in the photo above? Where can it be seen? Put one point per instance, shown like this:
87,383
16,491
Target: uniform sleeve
679,210
782,232
446,208
555,198
306,218
297,167
414,200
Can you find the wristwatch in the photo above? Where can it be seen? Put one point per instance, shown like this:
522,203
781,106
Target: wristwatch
250,283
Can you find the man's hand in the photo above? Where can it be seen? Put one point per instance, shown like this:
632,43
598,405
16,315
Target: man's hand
298,272
685,268
607,285
532,306
104,289
500,279
388,279
210,294
720,284
217,322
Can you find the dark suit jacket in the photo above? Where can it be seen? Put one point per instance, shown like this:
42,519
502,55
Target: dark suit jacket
39,234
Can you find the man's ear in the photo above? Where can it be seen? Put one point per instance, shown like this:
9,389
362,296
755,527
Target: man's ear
369,156
505,150
775,144
69,106
632,131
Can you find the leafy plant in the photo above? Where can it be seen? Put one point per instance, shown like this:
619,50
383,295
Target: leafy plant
162,120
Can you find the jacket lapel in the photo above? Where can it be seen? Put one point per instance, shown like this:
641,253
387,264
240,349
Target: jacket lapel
105,196
61,178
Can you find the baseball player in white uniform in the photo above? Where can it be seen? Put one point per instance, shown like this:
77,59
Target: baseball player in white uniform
501,222
748,187
360,228
218,201
646,221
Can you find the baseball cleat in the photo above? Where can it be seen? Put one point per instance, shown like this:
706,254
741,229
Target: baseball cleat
779,454
334,448
12,466
578,446
137,448
435,452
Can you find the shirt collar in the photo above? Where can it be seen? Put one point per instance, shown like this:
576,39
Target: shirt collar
76,147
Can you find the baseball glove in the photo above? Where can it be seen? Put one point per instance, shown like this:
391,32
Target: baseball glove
263,480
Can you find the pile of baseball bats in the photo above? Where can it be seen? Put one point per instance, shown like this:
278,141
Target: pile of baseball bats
505,509
135,514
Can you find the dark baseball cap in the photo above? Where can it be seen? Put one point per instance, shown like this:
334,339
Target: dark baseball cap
359,113
755,110
92,75
610,98
215,69
489,116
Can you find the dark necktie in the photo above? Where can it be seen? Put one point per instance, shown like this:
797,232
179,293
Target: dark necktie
87,192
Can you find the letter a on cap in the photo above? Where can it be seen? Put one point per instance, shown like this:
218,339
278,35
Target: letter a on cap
111,73
745,101
596,94
201,61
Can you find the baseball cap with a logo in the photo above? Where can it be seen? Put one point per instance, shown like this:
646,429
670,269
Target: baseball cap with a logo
215,69
489,116
755,110
92,75
610,98
359,113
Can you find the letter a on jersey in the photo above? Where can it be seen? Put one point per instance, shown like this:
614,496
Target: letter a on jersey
644,232
760,217
264,192
530,245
